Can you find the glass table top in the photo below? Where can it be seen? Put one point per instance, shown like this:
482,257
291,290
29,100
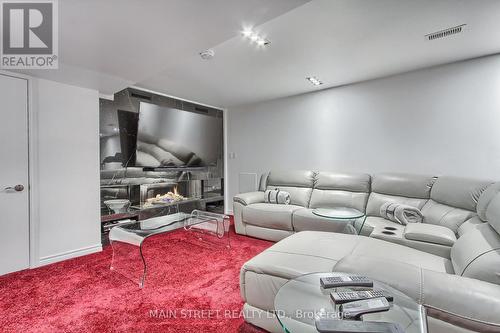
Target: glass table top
135,232
341,213
300,301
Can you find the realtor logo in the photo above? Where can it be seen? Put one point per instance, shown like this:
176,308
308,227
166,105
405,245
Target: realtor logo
29,34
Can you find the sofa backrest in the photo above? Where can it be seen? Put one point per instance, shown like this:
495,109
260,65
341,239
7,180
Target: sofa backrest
482,204
445,200
413,190
453,201
298,183
340,190
485,199
476,254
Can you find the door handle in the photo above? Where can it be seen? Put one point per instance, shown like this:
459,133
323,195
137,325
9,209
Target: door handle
17,188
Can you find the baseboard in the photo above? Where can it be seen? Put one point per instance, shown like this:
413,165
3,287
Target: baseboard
70,254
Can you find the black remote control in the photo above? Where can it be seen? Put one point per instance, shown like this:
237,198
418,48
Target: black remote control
340,297
328,325
356,309
345,281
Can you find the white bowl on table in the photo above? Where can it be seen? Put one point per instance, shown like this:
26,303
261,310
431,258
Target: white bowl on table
119,206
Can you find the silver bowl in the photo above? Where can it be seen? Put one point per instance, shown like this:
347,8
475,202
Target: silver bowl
119,206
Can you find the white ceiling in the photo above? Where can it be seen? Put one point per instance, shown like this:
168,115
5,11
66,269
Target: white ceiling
108,45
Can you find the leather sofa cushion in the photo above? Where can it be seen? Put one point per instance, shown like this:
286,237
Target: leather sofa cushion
269,215
484,200
335,246
469,225
303,219
340,190
353,182
338,198
477,254
493,213
314,251
444,215
430,234
298,195
376,200
458,192
290,178
403,185
398,253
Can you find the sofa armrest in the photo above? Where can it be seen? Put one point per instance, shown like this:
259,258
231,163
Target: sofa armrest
468,303
464,302
249,198
430,233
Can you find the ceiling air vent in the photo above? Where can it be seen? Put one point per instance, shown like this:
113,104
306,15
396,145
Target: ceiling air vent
140,96
445,32
204,110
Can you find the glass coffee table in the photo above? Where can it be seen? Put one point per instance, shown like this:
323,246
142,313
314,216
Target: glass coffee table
346,214
127,239
301,300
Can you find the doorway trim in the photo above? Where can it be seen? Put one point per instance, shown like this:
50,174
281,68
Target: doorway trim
32,188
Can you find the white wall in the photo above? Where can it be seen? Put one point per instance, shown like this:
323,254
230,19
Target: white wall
66,171
442,120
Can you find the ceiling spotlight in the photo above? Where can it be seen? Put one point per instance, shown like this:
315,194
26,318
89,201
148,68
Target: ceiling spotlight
247,32
254,37
314,80
262,42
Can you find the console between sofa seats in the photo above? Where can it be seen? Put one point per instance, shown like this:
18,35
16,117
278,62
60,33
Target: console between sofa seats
429,238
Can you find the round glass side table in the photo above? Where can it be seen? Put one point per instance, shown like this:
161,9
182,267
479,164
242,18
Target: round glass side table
301,300
349,215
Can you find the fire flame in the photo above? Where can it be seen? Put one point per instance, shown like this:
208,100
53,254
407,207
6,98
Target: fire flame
172,196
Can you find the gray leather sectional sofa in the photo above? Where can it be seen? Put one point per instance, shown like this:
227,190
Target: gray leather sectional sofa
450,263
444,201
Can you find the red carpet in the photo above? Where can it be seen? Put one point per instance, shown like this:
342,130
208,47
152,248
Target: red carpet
83,295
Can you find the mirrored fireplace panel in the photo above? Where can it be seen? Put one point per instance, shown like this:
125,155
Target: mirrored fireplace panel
180,167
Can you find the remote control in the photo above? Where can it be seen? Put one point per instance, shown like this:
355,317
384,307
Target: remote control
328,325
345,281
340,297
356,309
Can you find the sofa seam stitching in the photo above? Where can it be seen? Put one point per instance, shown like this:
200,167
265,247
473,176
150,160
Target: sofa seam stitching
477,257
301,254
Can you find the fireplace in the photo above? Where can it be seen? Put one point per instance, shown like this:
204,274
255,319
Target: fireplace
172,192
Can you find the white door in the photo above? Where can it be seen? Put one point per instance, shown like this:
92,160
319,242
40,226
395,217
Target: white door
14,204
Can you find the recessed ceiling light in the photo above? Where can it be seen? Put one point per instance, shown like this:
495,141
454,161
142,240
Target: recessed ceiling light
255,37
314,80
247,32
262,42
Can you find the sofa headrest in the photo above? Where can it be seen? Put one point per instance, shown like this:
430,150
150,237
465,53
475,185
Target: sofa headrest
354,182
493,213
485,199
458,192
404,185
293,178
